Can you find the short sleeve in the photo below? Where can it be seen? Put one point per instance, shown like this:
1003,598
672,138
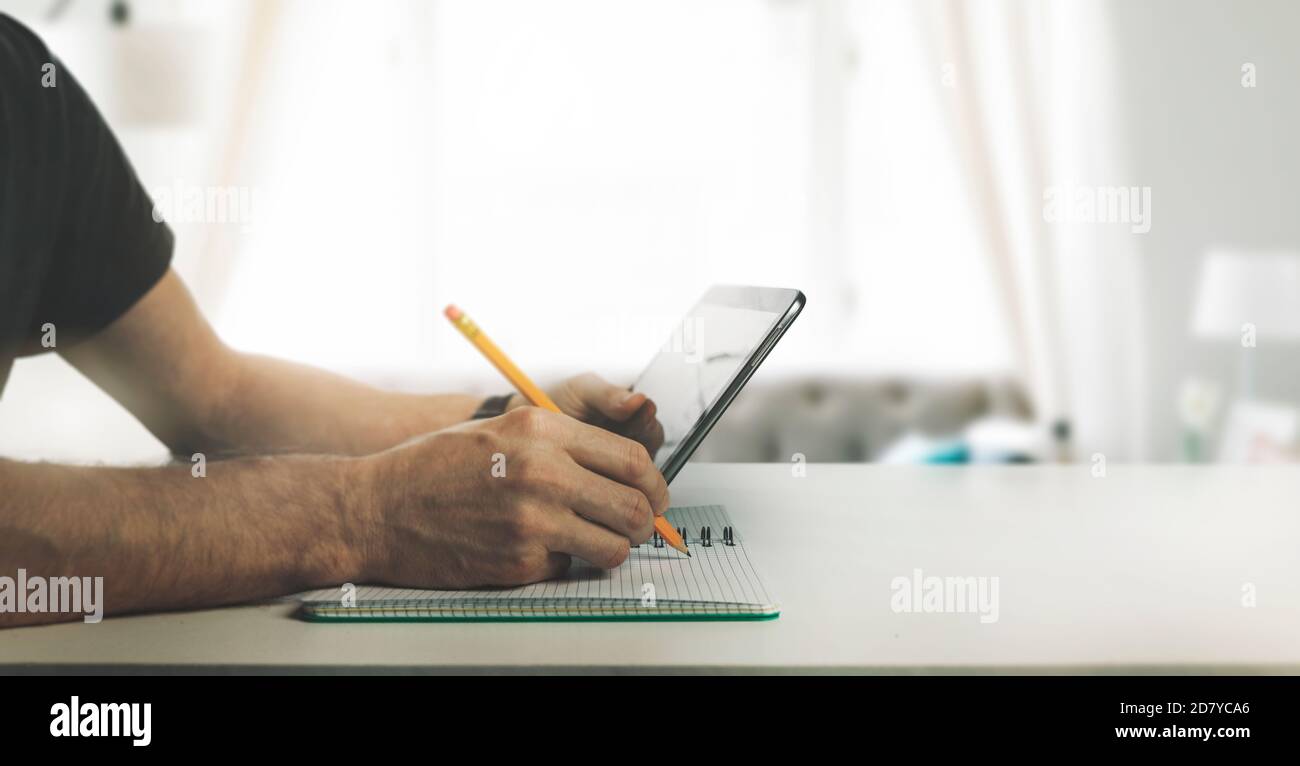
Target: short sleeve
108,249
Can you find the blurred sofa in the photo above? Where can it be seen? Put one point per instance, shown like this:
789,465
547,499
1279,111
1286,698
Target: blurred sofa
853,420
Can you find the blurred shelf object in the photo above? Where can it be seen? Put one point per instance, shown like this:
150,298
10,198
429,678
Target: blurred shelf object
1258,432
1198,405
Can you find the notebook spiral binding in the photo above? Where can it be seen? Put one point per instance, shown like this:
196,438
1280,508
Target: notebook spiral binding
703,540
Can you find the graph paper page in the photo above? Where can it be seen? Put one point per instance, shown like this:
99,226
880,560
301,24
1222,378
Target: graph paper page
718,573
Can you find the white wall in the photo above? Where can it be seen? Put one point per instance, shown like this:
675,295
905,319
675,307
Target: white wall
1223,163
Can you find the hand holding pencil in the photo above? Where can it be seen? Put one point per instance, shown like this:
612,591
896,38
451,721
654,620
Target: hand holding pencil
588,397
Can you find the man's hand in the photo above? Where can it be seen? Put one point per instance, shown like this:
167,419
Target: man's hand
593,400
506,501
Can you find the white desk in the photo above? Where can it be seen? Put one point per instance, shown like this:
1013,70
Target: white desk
1140,571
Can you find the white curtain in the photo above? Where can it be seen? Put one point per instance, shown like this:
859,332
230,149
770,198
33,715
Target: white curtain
1032,105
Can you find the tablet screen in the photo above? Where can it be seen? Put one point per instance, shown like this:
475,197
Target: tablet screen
707,350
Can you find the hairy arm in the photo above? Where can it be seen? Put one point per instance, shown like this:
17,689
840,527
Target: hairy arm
164,539
166,365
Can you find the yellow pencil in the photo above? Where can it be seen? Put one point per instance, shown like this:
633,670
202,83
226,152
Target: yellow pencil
535,395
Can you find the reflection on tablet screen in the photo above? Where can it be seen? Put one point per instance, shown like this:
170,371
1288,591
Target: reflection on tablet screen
705,353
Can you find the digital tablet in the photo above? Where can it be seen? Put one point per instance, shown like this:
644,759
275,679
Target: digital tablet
711,355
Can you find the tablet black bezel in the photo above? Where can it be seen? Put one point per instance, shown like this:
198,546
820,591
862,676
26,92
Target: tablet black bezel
786,304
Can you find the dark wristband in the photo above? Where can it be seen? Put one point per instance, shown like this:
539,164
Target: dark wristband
492,406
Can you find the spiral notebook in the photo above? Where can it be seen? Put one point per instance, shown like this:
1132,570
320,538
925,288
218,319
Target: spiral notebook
717,582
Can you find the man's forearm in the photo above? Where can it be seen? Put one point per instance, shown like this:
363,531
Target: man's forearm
164,363
274,406
164,539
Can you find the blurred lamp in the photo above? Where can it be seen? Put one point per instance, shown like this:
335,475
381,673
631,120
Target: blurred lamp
1246,299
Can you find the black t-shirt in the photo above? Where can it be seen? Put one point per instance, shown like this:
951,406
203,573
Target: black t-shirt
78,241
